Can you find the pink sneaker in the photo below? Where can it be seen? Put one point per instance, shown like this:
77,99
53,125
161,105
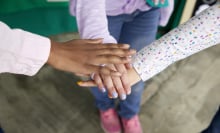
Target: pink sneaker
132,125
110,122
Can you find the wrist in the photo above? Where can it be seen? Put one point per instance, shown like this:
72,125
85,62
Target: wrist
53,48
133,75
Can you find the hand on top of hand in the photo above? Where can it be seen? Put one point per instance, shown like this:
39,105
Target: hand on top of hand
116,86
113,89
85,56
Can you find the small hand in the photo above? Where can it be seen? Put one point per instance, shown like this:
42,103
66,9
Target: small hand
132,75
116,86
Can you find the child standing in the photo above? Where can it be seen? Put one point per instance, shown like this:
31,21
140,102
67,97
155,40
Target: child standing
120,21
197,34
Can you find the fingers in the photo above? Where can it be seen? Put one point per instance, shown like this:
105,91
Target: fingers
114,85
124,78
82,75
109,59
88,69
116,51
99,83
108,71
94,41
110,86
121,68
111,46
111,56
126,84
128,65
119,87
117,82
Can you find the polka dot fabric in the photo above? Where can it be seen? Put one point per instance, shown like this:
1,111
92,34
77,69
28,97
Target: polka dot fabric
199,33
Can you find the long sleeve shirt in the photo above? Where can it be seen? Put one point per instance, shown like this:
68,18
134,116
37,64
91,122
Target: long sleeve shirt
200,32
22,52
92,20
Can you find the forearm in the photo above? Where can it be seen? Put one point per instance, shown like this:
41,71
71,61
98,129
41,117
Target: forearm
197,34
19,51
92,20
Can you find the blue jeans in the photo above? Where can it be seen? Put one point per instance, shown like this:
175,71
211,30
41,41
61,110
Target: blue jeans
214,127
137,29
1,131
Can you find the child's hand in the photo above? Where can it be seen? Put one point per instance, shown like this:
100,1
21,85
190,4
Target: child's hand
132,75
116,86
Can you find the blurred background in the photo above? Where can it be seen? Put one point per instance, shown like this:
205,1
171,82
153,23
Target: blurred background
181,99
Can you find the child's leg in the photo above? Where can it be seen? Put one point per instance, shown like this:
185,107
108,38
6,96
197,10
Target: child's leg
110,121
138,32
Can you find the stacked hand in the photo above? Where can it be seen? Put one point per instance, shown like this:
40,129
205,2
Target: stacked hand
84,57
116,85
113,84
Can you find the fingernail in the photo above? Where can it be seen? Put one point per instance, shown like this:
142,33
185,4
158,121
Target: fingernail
103,90
123,96
114,94
126,45
117,74
133,51
128,91
79,82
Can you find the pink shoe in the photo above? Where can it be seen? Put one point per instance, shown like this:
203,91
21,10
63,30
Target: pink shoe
132,125
110,122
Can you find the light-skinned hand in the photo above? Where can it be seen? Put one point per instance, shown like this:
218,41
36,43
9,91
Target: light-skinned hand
103,82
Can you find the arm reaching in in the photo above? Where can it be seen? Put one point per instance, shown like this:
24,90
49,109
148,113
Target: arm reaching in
25,53
85,56
197,34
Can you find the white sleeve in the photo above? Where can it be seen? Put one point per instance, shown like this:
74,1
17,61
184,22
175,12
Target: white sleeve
199,33
22,52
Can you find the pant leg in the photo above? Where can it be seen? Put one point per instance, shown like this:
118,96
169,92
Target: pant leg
138,32
101,99
1,131
215,124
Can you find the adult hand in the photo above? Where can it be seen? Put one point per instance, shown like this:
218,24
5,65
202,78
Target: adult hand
85,56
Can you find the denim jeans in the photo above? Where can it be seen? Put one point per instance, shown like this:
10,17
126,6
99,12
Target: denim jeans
214,127
137,29
1,131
